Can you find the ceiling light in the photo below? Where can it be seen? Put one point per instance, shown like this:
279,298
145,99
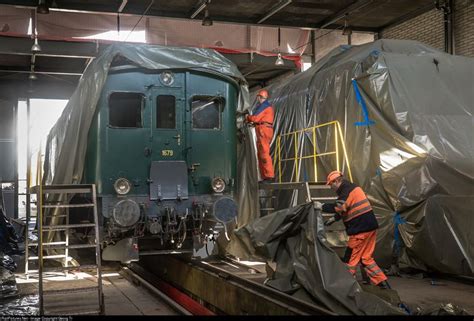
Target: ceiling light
32,75
279,61
42,7
36,47
207,21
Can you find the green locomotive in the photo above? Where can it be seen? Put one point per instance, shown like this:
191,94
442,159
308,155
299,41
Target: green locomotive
162,153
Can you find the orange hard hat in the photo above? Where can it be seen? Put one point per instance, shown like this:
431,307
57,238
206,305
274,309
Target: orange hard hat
332,176
263,93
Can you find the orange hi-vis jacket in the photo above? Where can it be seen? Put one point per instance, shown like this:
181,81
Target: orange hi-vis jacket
263,117
263,120
356,205
356,212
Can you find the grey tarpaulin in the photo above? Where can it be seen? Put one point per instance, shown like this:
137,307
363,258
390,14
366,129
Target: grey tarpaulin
67,140
8,287
410,142
295,239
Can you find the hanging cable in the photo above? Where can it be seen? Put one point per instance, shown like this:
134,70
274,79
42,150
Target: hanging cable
143,14
307,43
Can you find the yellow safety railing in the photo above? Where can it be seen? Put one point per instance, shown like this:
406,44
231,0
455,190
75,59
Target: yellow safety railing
298,142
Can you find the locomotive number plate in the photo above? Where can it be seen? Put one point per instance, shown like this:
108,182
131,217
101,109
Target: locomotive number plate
167,152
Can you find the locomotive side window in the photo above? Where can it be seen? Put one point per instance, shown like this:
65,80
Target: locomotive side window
166,112
125,110
206,111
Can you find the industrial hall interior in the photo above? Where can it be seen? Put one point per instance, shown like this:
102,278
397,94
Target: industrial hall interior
236,157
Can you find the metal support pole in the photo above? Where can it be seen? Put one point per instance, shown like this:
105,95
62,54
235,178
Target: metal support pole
28,186
313,47
315,155
296,157
28,162
450,27
15,140
447,8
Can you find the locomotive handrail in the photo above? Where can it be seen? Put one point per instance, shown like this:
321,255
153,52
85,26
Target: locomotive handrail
297,139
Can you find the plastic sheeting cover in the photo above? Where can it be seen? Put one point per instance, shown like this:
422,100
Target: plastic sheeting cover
295,239
8,286
26,305
409,141
67,140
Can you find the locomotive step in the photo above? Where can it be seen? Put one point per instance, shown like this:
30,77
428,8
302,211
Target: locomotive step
71,246
47,244
63,189
63,227
67,205
70,290
46,257
65,268
88,312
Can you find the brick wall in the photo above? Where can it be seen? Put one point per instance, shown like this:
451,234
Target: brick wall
429,28
464,27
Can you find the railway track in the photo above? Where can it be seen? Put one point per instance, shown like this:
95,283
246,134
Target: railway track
174,298
220,286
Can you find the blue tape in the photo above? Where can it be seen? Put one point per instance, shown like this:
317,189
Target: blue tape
378,172
374,53
405,308
360,100
397,220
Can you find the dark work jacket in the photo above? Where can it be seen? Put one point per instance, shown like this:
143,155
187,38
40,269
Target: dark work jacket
360,224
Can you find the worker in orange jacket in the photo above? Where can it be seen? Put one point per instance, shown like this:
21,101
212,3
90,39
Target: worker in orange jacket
361,225
262,118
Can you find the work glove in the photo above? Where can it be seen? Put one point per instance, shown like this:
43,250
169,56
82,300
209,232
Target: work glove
339,206
330,221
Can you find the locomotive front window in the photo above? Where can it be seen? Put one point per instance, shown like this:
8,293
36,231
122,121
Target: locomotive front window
125,110
166,112
206,112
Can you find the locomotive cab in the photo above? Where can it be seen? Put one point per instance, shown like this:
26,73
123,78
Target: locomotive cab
162,152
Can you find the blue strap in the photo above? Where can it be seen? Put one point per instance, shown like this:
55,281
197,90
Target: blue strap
360,100
397,220
261,107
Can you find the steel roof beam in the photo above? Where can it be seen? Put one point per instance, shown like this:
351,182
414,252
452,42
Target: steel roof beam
50,48
278,7
356,6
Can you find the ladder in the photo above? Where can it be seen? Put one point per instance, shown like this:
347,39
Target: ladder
272,197
64,193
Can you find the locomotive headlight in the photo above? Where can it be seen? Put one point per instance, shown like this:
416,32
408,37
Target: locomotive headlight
167,78
122,186
218,184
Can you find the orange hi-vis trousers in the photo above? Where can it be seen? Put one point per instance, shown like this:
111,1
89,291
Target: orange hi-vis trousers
265,163
362,246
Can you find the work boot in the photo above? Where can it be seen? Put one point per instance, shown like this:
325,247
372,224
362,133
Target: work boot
384,285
